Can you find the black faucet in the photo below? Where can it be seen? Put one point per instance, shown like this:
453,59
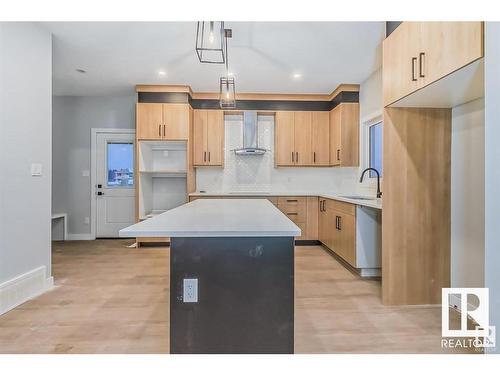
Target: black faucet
379,193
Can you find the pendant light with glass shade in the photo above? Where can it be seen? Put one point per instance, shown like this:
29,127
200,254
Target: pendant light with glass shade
227,91
210,39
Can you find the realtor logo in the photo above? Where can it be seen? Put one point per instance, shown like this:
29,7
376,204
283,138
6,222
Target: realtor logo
481,334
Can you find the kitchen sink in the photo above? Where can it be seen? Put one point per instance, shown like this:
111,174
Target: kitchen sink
360,197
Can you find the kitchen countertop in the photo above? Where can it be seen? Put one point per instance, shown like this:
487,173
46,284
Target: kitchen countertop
217,218
372,203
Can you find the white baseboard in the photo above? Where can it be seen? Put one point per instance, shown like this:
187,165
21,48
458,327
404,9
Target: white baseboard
23,288
80,237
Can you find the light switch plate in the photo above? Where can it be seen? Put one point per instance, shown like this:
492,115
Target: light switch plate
36,169
190,291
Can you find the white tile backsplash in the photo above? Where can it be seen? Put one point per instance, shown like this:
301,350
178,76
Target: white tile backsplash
257,173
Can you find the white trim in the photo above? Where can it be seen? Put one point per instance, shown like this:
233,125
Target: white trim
24,287
80,237
93,176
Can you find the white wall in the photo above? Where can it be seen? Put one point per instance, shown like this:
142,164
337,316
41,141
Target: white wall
257,173
467,195
73,118
492,171
25,138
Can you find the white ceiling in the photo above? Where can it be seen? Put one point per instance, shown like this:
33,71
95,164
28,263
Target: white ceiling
263,56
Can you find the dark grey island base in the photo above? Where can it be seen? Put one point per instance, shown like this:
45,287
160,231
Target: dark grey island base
245,295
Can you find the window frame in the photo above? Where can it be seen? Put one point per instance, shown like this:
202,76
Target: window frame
370,120
107,165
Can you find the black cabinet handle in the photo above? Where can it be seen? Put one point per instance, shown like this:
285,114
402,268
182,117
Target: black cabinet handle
159,130
209,156
338,154
293,160
314,157
292,200
340,223
204,156
420,64
296,157
292,213
164,130
413,61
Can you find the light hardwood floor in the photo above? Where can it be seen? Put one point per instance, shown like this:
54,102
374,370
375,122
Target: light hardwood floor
113,299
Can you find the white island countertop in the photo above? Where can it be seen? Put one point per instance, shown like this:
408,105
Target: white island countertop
217,218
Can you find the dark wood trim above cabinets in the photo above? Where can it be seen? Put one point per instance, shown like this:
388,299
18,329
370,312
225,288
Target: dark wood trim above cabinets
261,102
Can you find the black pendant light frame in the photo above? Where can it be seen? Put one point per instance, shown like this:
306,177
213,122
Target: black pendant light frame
200,43
227,82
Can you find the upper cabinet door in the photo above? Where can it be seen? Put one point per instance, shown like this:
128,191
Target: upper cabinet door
284,139
446,47
149,120
400,62
321,138
176,121
199,137
303,135
215,137
335,124
349,134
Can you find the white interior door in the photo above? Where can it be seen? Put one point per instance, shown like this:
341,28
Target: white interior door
115,190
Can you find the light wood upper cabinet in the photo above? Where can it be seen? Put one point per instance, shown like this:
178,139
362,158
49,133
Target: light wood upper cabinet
344,135
284,139
321,138
176,121
199,137
302,138
417,54
208,137
446,47
303,133
215,137
157,121
149,121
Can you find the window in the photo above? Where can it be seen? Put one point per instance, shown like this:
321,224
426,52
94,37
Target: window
120,159
375,144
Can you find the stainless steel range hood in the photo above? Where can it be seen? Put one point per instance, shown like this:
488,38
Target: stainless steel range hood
250,136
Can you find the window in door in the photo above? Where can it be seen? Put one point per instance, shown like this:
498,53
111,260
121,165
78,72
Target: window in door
120,164
375,148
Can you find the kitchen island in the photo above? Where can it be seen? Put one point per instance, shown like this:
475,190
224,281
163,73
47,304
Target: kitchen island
231,275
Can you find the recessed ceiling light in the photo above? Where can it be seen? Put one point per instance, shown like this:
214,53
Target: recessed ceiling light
81,71
162,73
297,75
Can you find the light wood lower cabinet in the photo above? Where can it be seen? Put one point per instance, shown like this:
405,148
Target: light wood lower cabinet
303,211
337,228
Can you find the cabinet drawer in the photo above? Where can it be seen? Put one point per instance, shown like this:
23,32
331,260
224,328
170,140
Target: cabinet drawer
298,201
344,207
296,213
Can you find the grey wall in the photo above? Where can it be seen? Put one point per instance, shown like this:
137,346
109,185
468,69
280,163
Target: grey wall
492,171
467,195
73,119
25,138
